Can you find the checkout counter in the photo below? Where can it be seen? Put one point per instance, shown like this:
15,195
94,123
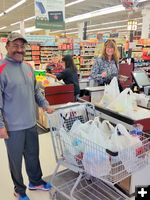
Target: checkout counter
56,92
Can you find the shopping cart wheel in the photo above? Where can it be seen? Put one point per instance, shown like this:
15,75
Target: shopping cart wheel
53,194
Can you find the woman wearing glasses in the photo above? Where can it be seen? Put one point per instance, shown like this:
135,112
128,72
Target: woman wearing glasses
106,66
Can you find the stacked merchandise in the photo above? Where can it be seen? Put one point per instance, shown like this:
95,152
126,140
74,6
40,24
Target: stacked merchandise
141,52
65,45
47,53
86,56
33,54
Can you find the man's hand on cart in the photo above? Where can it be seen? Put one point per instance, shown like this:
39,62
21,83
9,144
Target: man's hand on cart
49,109
3,133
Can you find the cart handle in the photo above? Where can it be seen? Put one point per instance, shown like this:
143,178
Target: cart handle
112,153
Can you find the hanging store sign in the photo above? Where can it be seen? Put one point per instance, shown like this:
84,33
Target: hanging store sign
132,25
50,14
114,35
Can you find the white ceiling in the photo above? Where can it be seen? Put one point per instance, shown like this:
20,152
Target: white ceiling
26,10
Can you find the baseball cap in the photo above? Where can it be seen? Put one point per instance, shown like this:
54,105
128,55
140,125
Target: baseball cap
14,36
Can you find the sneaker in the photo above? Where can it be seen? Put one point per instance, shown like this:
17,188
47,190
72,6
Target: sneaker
45,186
20,197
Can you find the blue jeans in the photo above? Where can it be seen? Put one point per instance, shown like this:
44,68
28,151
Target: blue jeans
24,143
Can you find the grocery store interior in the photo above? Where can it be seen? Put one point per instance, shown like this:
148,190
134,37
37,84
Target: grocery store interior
82,165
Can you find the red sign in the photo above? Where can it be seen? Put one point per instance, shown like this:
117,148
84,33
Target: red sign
3,39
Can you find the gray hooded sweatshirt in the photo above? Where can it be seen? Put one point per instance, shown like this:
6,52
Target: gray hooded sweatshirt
19,94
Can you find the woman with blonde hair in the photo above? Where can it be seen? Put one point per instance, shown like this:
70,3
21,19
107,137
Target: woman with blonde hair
106,66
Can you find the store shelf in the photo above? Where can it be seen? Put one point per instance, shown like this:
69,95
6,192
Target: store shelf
87,50
33,54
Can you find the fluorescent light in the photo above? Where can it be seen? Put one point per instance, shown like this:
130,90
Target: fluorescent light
76,32
15,23
140,1
27,19
73,3
30,29
1,14
114,27
3,27
15,6
95,13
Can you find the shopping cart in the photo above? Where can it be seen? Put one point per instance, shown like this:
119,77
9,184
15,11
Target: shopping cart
65,116
90,162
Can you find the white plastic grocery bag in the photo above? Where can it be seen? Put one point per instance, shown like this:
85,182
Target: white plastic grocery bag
90,130
72,146
126,145
96,161
107,129
111,91
125,103
121,139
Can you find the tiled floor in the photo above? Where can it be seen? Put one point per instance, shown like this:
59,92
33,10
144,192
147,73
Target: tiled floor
48,166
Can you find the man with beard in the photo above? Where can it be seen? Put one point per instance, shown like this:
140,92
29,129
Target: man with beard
19,94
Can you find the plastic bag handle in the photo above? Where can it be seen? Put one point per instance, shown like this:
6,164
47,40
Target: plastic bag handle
107,123
97,122
117,131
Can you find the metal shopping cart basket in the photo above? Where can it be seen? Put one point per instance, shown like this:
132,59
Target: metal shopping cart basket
87,158
64,151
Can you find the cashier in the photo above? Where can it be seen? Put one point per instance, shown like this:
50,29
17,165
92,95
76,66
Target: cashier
105,67
69,75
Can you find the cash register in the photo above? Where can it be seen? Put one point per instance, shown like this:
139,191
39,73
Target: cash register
142,81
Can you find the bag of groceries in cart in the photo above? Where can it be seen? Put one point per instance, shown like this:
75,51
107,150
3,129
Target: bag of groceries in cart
103,150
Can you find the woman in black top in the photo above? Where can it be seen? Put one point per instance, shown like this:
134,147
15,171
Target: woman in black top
69,75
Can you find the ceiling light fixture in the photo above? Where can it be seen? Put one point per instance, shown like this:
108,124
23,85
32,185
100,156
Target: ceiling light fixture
15,6
73,3
27,19
30,29
140,1
107,28
3,27
95,13
1,14
15,23
100,12
12,7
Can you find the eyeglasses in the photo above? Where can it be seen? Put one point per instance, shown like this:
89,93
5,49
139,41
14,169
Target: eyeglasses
16,46
110,40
